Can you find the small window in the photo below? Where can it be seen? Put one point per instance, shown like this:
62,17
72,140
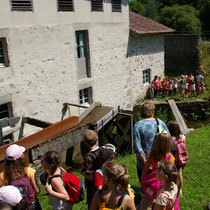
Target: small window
21,5
81,44
85,96
65,5
116,5
3,53
5,111
97,5
146,77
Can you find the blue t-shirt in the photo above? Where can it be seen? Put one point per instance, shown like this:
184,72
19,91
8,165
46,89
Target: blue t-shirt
144,132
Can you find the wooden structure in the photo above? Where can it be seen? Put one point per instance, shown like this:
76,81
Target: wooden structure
64,135
178,116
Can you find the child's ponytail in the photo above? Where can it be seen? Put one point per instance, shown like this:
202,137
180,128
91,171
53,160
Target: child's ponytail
170,170
117,174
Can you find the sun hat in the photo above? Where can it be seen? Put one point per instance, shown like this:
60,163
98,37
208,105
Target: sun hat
11,195
14,152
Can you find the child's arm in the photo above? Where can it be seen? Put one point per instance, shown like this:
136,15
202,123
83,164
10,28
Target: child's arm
31,175
60,192
98,180
130,203
159,207
95,202
146,168
35,185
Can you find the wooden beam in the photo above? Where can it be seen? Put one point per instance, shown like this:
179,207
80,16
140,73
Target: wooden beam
9,121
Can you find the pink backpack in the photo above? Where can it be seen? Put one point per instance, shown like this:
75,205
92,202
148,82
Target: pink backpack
150,185
181,155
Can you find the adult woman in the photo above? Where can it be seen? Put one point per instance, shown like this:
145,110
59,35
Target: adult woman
144,133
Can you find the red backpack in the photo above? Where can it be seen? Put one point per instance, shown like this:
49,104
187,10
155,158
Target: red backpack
181,155
73,185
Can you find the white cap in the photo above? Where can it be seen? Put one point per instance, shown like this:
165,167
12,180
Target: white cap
11,195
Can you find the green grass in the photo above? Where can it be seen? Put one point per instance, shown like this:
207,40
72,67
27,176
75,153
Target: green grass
196,192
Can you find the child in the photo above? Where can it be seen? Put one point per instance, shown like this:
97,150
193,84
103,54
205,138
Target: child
106,153
193,88
11,196
167,194
175,88
181,86
160,151
90,163
57,194
116,179
175,132
170,89
162,148
186,89
15,168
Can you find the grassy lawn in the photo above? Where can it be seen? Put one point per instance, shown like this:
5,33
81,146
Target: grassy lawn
196,192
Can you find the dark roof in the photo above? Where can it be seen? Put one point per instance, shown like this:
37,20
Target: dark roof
142,25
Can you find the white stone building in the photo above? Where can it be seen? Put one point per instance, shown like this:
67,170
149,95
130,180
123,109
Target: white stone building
75,51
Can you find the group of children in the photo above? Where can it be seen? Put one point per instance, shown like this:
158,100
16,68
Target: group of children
161,160
185,85
107,182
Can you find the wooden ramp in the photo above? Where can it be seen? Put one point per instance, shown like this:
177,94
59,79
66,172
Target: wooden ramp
178,116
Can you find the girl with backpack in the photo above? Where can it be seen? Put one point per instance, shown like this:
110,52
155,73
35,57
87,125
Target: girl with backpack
17,173
116,180
167,195
54,185
177,138
160,151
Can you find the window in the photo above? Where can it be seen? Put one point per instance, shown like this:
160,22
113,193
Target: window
83,58
146,77
85,96
21,5
65,5
81,44
116,5
5,111
97,5
3,53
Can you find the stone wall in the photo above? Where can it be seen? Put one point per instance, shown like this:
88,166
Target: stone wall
198,107
145,52
181,53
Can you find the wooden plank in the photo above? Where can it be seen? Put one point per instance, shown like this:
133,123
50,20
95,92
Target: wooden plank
103,121
178,116
44,135
9,121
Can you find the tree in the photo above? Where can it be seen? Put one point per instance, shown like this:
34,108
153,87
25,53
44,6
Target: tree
137,7
147,8
205,15
181,18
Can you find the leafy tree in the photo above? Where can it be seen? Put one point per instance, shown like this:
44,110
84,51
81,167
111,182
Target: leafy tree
147,8
181,18
137,7
205,15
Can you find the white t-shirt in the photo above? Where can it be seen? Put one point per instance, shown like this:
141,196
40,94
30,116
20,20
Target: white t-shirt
167,198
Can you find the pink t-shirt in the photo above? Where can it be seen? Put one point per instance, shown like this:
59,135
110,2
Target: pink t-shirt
157,84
